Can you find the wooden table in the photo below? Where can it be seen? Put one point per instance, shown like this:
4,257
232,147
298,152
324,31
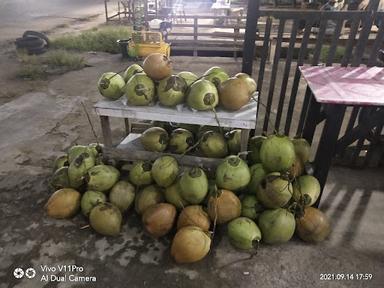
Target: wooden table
333,89
130,148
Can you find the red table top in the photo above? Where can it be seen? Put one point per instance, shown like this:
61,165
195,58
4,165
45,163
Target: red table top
346,85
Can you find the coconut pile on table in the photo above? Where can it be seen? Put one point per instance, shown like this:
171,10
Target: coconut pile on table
154,83
266,197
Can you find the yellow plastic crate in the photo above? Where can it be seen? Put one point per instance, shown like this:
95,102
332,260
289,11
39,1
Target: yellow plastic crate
145,43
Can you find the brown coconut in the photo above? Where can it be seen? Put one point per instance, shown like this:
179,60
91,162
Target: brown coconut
64,203
190,244
194,215
233,94
224,207
314,226
157,66
158,219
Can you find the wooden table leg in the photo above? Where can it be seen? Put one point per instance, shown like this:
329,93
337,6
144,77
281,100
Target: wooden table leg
244,141
311,120
327,145
106,129
128,126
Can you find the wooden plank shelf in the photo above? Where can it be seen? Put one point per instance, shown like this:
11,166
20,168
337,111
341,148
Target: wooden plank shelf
130,149
245,118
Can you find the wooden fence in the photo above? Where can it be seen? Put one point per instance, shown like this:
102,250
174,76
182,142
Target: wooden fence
279,103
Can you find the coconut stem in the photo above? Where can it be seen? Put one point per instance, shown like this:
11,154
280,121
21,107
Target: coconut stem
217,120
250,257
90,123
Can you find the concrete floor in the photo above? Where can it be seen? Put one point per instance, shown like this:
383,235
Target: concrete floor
16,16
37,126
353,200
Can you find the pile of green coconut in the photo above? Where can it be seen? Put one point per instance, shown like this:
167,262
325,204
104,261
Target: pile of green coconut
205,141
154,82
266,197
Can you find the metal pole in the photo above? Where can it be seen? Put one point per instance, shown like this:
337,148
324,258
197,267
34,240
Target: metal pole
250,35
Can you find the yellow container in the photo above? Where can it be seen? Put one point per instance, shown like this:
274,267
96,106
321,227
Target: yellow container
145,43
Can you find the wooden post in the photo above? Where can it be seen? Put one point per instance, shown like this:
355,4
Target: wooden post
128,125
250,36
195,32
106,129
118,10
156,7
106,10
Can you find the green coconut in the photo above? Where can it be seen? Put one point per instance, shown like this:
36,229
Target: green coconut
102,177
165,170
243,233
188,77
277,153
132,70
155,139
90,199
111,85
202,95
79,168
306,188
180,141
254,147
76,150
171,91
60,179
216,75
140,173
147,197
258,173
214,70
96,149
173,195
193,185
302,149
251,207
233,174
105,218
274,191
61,161
234,141
140,90
277,225
213,145
122,195
205,128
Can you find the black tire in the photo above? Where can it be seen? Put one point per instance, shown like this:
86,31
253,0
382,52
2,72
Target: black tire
37,51
29,42
42,36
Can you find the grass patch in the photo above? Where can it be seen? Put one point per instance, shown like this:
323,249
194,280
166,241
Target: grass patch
340,51
62,58
101,39
31,72
53,62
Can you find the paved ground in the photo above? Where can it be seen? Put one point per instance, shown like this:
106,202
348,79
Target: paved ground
37,126
39,120
16,16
